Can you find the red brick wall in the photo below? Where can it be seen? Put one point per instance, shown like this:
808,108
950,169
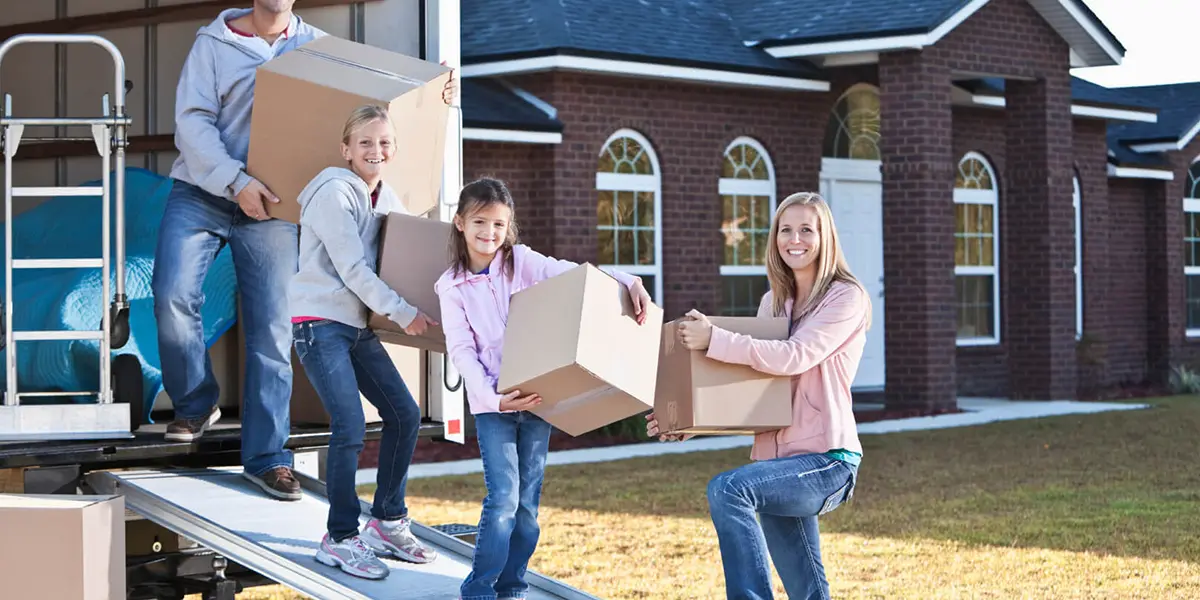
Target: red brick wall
1098,220
528,172
1124,334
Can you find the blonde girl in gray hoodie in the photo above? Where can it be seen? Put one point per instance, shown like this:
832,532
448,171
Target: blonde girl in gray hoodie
330,299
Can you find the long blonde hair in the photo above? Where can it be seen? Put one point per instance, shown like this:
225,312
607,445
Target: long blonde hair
831,262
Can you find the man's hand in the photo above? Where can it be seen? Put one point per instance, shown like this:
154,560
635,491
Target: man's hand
252,200
451,90
696,333
510,402
641,300
419,324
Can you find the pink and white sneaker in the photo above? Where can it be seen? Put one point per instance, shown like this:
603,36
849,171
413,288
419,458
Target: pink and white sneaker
395,538
351,556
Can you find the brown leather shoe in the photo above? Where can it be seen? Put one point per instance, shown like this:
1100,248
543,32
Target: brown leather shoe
279,483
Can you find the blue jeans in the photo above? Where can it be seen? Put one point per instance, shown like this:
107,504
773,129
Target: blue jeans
513,447
787,495
195,227
341,361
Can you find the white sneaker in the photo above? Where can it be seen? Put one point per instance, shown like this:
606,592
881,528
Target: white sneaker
352,556
396,539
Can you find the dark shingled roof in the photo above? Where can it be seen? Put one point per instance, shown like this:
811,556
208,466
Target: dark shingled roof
488,104
684,32
1179,110
824,20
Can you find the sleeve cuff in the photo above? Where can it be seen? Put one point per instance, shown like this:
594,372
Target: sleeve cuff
240,182
718,345
405,316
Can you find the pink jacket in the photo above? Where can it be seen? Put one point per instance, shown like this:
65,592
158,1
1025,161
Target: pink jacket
475,313
822,357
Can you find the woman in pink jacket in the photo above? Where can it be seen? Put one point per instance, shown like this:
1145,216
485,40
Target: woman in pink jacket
489,267
810,467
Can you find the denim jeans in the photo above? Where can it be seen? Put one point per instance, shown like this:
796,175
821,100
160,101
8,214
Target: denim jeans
513,447
341,361
787,495
195,227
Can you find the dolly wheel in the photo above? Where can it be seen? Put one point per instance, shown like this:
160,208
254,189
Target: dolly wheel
127,387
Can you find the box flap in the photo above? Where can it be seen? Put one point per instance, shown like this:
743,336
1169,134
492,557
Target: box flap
340,64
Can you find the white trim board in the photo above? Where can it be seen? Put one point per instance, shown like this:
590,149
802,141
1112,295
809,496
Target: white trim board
1049,9
1078,110
1139,173
1179,144
479,134
649,70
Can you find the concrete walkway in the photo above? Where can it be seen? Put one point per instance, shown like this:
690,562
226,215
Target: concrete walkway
976,411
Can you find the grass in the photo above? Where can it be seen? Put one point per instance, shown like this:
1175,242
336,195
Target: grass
1095,506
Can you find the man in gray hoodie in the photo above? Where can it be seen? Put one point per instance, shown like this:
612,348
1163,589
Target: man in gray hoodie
215,202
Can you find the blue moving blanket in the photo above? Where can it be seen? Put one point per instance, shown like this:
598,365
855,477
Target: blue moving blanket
70,299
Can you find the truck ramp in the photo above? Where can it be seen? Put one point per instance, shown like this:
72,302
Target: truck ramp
221,510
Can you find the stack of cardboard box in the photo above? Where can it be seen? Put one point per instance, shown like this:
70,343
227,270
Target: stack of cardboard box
571,339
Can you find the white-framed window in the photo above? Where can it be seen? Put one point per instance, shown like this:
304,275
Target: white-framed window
747,189
977,251
629,209
1077,200
853,131
1191,247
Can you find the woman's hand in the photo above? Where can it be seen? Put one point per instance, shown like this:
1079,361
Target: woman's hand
641,300
652,430
510,402
696,333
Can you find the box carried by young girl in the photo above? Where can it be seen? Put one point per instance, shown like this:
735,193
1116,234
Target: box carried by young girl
413,254
696,394
573,339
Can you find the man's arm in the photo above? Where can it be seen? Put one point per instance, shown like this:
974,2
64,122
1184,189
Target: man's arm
197,105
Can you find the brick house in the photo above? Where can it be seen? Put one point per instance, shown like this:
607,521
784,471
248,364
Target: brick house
1024,223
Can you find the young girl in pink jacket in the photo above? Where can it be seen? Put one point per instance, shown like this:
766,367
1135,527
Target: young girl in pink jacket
489,267
810,467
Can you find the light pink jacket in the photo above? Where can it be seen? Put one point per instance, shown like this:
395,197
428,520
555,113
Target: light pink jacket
822,357
475,313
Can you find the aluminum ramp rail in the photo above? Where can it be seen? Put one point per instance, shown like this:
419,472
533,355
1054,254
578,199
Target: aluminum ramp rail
224,512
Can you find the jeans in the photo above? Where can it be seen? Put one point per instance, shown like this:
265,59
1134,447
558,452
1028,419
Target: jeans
341,361
787,495
195,227
513,447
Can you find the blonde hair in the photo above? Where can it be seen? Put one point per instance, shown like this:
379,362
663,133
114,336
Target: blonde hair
363,116
831,262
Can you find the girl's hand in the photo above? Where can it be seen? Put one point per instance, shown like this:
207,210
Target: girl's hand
696,333
511,403
641,300
451,90
652,430
420,324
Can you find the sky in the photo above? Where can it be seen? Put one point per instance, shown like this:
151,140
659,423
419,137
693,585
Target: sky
1161,39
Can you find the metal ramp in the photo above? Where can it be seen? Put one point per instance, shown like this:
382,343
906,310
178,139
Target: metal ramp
224,512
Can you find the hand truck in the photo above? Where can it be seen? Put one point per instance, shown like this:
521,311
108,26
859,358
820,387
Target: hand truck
104,418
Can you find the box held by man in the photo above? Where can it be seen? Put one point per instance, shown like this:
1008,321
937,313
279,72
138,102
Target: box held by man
62,547
413,254
573,339
303,98
698,395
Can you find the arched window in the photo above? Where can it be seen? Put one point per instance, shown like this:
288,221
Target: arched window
747,189
1191,245
977,251
1077,201
629,209
853,129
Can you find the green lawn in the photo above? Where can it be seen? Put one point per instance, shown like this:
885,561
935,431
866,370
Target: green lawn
1091,506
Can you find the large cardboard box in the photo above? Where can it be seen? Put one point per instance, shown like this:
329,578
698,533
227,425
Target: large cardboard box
62,547
306,407
696,394
413,254
573,340
303,98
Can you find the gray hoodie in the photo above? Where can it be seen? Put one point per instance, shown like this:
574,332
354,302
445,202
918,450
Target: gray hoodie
213,101
339,244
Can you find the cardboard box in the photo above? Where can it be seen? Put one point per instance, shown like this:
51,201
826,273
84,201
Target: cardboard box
413,254
573,340
63,547
306,407
696,394
303,98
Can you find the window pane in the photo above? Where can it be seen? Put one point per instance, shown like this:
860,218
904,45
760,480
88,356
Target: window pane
1191,188
604,209
974,300
762,212
645,241
741,294
1191,240
853,127
626,254
1193,301
625,208
625,155
985,236
745,250
645,209
973,175
759,247
607,252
